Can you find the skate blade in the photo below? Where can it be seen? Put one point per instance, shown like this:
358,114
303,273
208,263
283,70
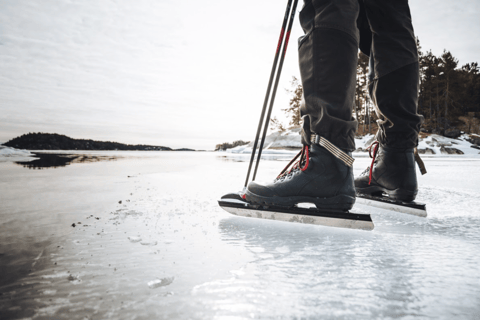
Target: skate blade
233,196
329,218
414,208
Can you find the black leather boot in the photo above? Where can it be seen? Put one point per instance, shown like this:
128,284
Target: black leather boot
392,172
319,177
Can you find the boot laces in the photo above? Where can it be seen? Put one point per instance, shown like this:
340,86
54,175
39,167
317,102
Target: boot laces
301,164
372,148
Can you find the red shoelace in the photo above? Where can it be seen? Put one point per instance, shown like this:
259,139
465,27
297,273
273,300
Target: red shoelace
304,157
373,146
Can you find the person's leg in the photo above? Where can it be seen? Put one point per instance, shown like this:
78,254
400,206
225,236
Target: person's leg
393,87
394,73
328,56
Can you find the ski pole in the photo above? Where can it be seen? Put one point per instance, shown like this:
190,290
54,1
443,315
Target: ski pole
267,95
279,72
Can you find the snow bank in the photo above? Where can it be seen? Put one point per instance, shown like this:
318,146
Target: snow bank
12,154
362,143
432,145
290,142
282,140
436,144
248,150
275,143
288,139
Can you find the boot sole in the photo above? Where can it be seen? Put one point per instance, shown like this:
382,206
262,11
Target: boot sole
340,202
397,194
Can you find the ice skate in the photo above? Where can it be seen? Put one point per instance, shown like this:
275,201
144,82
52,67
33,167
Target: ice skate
318,177
390,182
321,182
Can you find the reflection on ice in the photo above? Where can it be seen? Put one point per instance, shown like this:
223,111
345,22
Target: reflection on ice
53,160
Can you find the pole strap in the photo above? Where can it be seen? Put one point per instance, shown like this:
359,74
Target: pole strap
338,153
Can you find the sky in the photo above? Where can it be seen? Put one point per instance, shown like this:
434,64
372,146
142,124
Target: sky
165,72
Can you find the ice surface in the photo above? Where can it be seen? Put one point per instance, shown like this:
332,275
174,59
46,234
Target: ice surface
207,264
134,239
160,282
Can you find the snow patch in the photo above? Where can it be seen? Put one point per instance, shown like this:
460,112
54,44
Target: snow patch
441,145
160,282
362,143
134,239
290,142
275,143
12,154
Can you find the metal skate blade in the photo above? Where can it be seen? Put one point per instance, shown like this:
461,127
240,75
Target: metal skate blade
329,218
414,208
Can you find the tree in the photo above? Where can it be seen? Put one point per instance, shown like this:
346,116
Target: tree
428,95
448,64
362,101
293,110
276,125
470,76
448,95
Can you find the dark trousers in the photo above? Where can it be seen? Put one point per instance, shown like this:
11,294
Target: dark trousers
328,54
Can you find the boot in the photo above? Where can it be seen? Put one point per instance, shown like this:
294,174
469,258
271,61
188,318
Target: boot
319,177
392,172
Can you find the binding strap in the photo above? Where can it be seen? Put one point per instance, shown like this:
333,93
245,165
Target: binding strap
419,162
374,148
338,153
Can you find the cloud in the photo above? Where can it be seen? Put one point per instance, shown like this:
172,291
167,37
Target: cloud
175,73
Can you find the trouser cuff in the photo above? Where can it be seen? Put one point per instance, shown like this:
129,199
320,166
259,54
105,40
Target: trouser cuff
397,140
339,132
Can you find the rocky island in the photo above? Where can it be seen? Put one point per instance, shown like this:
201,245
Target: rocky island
53,141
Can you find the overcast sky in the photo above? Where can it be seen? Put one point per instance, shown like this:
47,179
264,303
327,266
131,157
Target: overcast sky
166,72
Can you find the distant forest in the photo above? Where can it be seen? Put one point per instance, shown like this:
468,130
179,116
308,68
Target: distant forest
449,96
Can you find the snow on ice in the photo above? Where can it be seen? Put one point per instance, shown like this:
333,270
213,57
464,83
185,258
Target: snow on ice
12,154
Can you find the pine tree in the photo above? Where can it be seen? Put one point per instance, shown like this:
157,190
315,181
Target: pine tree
447,93
361,91
450,89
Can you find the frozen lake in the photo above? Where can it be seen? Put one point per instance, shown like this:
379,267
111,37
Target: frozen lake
139,235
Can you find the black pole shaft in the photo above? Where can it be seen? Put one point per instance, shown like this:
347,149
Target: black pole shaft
272,100
267,95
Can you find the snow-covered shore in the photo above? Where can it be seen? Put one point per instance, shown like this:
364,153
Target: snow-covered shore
12,154
289,143
435,145
275,143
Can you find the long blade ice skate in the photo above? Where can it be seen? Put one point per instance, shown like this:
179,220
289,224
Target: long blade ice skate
383,202
330,218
